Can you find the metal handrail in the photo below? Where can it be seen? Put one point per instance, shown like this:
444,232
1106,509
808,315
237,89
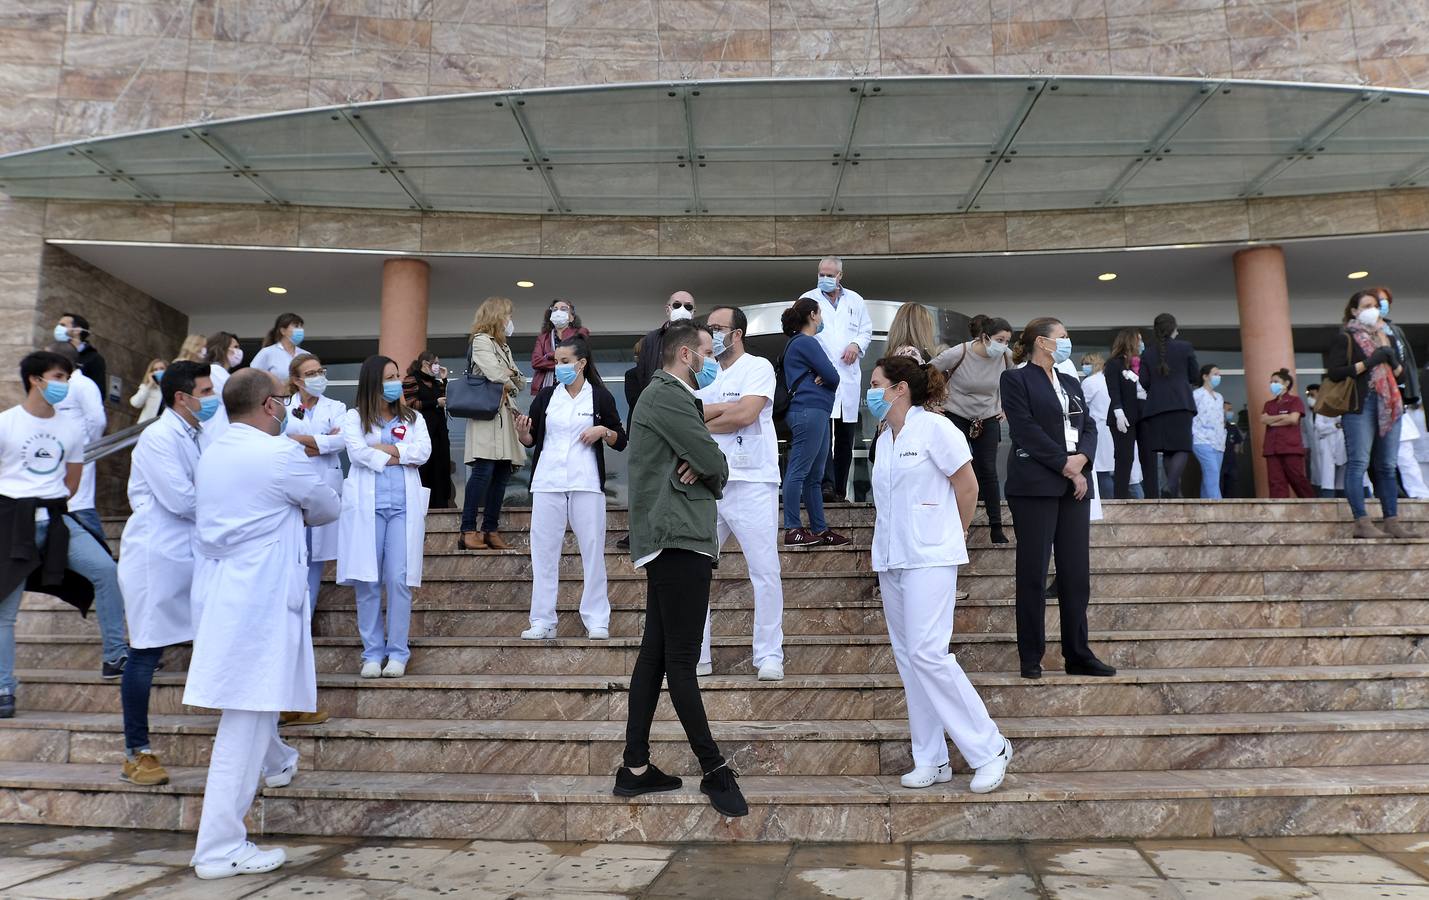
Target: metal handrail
117,442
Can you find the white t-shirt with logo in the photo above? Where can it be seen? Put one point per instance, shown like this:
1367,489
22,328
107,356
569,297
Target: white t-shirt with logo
753,451
35,453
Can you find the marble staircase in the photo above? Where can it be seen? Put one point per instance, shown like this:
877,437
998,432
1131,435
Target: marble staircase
1274,680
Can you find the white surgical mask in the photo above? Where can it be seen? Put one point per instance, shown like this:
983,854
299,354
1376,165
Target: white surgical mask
680,314
235,356
1368,316
317,385
560,318
510,327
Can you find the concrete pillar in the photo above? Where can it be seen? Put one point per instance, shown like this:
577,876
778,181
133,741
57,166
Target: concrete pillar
403,332
1263,300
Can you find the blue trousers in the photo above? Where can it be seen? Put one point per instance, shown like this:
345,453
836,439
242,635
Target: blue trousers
392,570
808,452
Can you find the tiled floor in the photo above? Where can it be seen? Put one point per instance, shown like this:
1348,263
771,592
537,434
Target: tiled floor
61,863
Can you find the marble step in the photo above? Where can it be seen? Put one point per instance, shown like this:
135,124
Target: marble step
859,747
1031,806
739,697
829,654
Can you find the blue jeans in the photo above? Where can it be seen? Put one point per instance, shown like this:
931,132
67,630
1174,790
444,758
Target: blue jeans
804,473
1106,487
1365,447
1210,460
92,561
392,570
486,488
134,695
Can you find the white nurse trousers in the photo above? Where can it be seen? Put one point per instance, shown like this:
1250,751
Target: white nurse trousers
918,606
246,748
750,511
584,511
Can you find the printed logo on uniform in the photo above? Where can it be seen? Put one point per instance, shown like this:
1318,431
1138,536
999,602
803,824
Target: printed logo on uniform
43,453
907,453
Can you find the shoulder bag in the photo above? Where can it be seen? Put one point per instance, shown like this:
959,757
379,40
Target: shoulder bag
1339,397
473,395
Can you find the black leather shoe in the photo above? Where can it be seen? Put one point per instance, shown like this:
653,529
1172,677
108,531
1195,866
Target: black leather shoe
1093,667
997,534
7,706
1034,672
724,793
647,782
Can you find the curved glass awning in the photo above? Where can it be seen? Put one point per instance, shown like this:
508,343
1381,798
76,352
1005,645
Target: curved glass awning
772,147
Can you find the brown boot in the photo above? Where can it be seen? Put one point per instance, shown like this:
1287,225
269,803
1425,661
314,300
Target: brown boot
1395,530
494,541
1364,528
302,718
471,540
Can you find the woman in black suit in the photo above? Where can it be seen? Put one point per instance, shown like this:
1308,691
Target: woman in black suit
1053,442
1169,371
1125,410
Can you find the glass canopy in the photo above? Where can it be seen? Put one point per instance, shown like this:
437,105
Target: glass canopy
772,147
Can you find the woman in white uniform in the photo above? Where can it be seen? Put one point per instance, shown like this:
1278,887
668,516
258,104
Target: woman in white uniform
280,346
571,424
315,421
223,355
384,512
925,494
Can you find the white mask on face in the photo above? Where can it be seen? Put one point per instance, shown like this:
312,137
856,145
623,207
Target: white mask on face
510,327
235,356
680,314
560,318
1368,316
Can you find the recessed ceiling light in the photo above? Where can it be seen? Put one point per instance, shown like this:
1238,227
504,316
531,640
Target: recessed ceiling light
277,290
1107,276
1355,276
525,284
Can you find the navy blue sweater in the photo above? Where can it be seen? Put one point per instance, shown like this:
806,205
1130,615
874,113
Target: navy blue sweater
805,359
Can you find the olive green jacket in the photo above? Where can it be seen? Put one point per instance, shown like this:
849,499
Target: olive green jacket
668,428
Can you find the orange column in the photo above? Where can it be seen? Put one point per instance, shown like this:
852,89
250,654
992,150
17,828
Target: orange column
1266,341
403,332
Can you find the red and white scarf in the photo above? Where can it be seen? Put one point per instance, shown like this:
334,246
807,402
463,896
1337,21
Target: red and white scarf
1391,404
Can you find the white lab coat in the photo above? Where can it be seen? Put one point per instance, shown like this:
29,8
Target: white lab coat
848,324
326,415
357,530
156,559
276,361
916,521
1098,405
253,644
84,406
214,427
1329,452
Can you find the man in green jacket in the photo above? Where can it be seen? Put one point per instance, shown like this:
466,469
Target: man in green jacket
677,472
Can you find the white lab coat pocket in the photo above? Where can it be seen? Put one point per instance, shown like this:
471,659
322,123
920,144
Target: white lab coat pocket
930,524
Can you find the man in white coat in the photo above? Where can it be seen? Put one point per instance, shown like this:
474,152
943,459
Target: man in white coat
156,560
253,647
847,330
738,409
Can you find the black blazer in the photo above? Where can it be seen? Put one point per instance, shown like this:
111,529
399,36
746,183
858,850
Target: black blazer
1034,419
1340,358
1171,392
605,414
1122,392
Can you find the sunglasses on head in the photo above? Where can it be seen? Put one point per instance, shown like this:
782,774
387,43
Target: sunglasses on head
688,306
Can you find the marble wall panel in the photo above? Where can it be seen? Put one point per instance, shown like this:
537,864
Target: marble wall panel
331,92
714,45
1281,50
953,41
1275,19
340,30
1047,36
1403,210
495,12
897,13
488,39
1050,821
24,46
717,237
519,235
699,15
265,226
1166,28
1036,10
815,236
1061,62
404,819
109,221
1389,41
35,15
1197,222
604,43
1026,231
673,70
948,64
600,237
1399,71
1280,217
473,72
126,18
947,234
584,14
229,58
865,822
607,70
261,22
1210,58
366,229
82,119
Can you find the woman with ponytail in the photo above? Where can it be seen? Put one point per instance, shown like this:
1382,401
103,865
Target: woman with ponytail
1283,447
924,495
1169,371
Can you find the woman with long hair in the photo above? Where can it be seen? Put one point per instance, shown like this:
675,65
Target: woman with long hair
561,323
973,371
280,345
924,496
912,333
1169,371
1123,406
384,512
812,381
146,399
1053,442
193,349
223,355
571,423
315,422
493,448
425,390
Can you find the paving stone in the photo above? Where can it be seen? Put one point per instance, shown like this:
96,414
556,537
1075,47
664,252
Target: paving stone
1243,890
326,888
978,857
16,869
1211,860
836,856
1113,861
710,882
90,880
1345,868
940,885
846,884
599,874
1086,887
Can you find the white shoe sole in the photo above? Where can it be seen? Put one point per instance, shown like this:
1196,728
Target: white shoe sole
543,636
777,675
390,672
1001,776
211,873
281,780
942,776
597,636
703,670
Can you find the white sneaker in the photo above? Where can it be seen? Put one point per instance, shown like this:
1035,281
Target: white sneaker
394,669
988,777
771,671
371,669
923,776
249,861
539,633
703,669
281,779
598,634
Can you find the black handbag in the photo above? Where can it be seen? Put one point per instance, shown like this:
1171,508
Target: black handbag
473,395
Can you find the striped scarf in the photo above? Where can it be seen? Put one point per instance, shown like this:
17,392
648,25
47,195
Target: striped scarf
1391,404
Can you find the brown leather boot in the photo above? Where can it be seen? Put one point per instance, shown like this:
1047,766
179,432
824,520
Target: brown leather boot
302,718
1364,528
1395,530
471,540
494,541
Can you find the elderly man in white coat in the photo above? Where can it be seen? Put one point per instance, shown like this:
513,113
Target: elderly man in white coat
847,330
156,560
253,650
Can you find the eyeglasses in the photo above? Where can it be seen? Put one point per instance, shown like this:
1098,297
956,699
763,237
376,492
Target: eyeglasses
677,304
315,373
720,329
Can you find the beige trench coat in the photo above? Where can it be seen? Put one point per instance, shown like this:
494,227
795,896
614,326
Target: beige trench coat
495,438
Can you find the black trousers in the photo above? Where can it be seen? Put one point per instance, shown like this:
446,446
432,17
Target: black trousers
840,457
1124,448
984,450
677,598
1045,525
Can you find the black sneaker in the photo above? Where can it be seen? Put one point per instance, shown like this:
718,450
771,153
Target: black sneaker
7,706
623,543
648,782
997,534
722,789
110,671
1093,666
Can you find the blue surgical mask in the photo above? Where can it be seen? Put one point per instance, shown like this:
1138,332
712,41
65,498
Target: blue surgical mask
61,334
1215,381
876,404
391,391
828,283
997,348
55,391
1276,389
1384,309
1086,370
1140,348
566,373
719,345
208,407
158,375
1063,351
297,337
283,422
820,329
706,374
